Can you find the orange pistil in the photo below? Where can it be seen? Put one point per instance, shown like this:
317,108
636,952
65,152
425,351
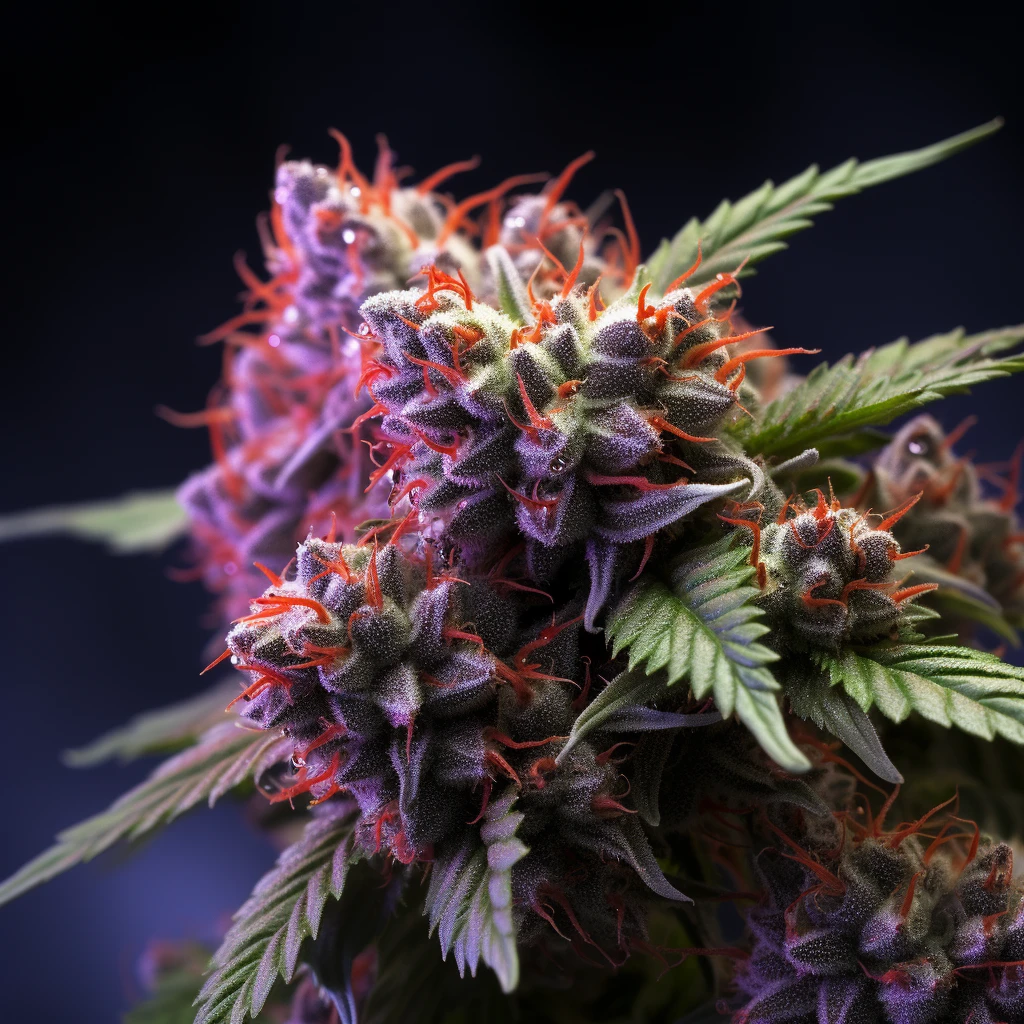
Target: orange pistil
699,353
689,273
458,214
659,423
429,183
897,514
723,372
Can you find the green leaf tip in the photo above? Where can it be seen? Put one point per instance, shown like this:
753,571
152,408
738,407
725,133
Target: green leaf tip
754,227
136,522
836,405
224,758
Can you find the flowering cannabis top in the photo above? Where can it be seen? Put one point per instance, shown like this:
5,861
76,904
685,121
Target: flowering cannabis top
558,612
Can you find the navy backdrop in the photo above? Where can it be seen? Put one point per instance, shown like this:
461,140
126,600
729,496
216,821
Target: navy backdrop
138,159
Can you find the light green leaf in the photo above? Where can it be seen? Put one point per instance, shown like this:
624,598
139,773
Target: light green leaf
470,897
835,404
704,628
141,521
949,685
224,758
160,731
755,226
283,911
513,299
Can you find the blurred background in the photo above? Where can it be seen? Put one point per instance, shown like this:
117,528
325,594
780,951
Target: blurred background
141,148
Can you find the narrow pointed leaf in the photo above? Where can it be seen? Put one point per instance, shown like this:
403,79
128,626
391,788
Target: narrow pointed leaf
756,226
469,901
836,404
957,686
160,731
225,757
141,521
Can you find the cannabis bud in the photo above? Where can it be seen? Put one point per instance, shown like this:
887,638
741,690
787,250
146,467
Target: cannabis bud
976,537
826,575
881,928
584,430
414,692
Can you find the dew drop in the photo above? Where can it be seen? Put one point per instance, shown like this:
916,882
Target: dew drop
558,464
291,315
356,191
348,236
234,659
917,448
364,329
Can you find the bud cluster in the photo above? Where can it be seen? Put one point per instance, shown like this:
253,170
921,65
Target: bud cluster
826,574
975,537
284,423
416,692
577,428
881,928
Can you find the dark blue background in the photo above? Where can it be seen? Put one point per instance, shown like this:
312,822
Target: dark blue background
138,159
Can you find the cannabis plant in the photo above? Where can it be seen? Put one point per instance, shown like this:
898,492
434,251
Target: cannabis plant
554,622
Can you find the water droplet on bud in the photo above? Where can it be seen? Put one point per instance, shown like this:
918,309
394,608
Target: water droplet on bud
297,762
348,236
558,464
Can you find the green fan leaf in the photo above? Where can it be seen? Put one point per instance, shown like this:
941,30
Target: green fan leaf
141,521
225,757
283,911
756,226
160,731
702,627
951,686
470,896
836,404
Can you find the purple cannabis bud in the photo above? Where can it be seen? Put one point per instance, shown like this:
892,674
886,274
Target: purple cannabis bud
865,925
286,426
826,574
969,534
416,692
574,430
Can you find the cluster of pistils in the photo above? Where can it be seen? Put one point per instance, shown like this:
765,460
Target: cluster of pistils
539,228
977,537
573,427
906,927
827,575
